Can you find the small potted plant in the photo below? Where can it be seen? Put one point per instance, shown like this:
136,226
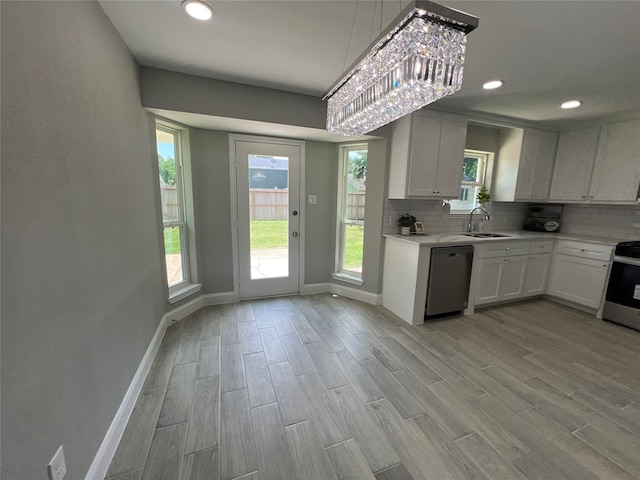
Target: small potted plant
483,195
407,224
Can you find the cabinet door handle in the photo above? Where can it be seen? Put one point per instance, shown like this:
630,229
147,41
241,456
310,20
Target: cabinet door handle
584,196
507,260
605,265
507,249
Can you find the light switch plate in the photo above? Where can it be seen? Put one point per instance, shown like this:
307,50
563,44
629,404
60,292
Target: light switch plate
312,199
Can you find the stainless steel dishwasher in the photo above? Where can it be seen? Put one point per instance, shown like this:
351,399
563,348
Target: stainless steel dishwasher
449,278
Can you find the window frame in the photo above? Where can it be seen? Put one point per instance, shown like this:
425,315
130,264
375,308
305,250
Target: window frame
486,160
341,273
185,218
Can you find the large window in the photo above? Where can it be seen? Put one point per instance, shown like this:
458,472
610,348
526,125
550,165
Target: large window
474,171
171,166
351,206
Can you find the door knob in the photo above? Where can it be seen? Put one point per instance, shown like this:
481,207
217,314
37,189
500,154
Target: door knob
295,212
294,234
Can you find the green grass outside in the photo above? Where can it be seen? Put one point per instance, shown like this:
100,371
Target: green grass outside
171,240
353,247
267,234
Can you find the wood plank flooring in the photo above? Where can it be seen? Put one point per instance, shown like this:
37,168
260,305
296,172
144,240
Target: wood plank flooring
322,387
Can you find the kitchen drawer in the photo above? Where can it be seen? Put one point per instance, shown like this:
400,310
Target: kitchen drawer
585,250
541,247
503,249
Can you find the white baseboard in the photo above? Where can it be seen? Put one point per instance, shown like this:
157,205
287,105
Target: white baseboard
314,288
107,450
569,303
355,294
220,298
183,310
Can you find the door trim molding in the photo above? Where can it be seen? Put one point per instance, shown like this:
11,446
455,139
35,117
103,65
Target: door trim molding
233,138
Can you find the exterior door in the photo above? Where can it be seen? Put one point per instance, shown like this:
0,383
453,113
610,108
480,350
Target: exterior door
268,203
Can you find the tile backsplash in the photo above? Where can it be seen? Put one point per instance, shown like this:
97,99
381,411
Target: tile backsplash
504,216
615,221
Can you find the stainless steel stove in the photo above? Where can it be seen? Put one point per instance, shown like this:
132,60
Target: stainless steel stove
622,302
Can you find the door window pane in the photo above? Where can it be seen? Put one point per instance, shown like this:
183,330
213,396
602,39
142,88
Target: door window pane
269,216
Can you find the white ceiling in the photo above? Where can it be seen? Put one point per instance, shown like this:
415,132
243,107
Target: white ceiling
546,51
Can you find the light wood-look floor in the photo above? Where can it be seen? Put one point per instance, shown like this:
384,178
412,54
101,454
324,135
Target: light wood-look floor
321,387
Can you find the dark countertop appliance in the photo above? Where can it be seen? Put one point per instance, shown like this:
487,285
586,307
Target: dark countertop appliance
622,302
543,217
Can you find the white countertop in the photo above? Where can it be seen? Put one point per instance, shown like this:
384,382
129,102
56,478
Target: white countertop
442,239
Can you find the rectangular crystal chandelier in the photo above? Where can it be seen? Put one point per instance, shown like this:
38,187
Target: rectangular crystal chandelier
417,61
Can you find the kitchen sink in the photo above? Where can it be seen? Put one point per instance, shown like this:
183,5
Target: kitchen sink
485,235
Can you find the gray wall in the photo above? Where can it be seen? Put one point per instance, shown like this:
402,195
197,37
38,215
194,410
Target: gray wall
321,179
211,191
189,93
377,160
485,139
82,286
210,164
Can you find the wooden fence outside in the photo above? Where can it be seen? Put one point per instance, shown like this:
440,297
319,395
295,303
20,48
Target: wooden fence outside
169,197
355,205
266,204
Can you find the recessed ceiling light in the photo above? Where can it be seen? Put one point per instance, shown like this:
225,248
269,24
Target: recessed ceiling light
197,9
571,104
493,84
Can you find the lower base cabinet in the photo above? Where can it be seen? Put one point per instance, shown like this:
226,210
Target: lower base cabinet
500,279
579,280
535,280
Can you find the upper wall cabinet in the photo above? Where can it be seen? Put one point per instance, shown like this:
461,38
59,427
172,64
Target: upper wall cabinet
427,150
536,165
574,165
599,164
616,174
524,166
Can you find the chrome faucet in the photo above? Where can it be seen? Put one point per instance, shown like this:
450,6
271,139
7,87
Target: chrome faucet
486,217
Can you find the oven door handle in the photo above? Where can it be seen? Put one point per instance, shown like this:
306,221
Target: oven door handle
627,261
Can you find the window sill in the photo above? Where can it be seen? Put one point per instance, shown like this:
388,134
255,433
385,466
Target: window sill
347,278
184,292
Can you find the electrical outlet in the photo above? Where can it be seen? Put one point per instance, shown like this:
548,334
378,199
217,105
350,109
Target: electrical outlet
312,200
57,469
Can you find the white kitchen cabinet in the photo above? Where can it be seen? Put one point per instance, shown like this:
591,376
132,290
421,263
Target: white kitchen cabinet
500,279
574,163
427,151
536,165
538,266
535,280
524,165
579,272
598,164
616,175
501,270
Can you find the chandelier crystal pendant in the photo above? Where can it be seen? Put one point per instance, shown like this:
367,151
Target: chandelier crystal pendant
417,61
